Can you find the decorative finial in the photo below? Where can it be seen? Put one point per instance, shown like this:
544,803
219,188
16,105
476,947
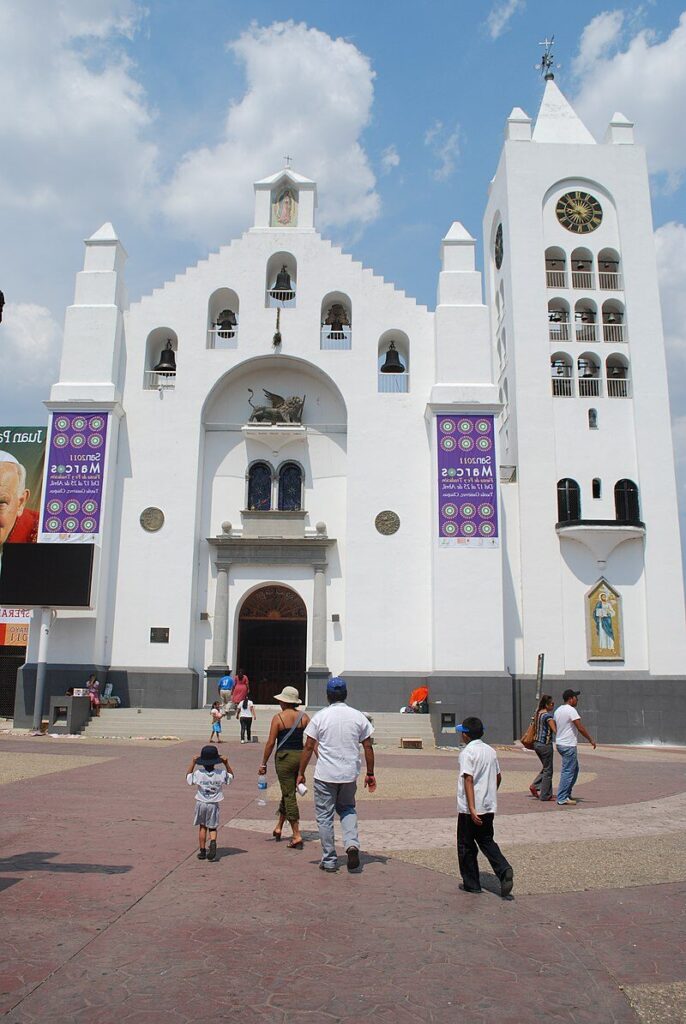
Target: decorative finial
547,60
288,160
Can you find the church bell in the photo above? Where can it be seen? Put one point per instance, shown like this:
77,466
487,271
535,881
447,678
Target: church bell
283,289
167,363
392,362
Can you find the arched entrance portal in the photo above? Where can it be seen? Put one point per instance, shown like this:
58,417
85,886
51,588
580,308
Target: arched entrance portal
272,641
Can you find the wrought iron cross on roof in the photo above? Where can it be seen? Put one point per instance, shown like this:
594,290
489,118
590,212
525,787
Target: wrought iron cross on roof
288,160
547,62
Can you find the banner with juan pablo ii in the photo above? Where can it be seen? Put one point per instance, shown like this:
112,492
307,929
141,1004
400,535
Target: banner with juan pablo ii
467,481
74,477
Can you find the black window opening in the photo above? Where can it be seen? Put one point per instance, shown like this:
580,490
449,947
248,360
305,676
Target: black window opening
568,501
290,487
597,488
626,501
260,487
592,419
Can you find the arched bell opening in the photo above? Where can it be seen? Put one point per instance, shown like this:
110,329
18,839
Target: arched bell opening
585,320
281,281
614,321
161,348
272,641
627,505
589,375
558,320
222,318
582,269
609,270
556,267
618,376
562,374
393,362
336,321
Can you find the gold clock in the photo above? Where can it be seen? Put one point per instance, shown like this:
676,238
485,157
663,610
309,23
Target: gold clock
579,212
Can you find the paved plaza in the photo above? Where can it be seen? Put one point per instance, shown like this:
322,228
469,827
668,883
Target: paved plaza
107,915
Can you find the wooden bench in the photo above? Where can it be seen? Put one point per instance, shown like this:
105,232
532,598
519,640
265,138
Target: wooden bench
411,743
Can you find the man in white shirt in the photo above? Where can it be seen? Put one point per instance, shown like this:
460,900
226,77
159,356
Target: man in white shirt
338,732
569,724
477,802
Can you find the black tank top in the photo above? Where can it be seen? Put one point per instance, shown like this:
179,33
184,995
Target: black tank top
294,741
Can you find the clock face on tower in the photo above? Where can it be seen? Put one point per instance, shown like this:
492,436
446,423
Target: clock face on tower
498,247
579,212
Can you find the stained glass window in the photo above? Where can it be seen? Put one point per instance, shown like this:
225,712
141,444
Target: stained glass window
290,487
260,487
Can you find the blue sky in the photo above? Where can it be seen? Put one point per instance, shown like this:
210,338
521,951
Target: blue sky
159,116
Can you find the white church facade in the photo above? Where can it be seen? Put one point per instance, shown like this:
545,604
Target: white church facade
309,473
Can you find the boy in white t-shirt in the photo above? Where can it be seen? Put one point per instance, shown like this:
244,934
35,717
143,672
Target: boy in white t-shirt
568,722
210,773
477,802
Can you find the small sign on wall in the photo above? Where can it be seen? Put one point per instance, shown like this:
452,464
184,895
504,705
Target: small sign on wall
159,635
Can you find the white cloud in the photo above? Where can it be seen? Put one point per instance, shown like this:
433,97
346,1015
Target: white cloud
74,133
644,78
500,15
307,95
445,145
389,159
599,37
30,352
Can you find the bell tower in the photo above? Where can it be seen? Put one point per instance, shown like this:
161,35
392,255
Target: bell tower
578,348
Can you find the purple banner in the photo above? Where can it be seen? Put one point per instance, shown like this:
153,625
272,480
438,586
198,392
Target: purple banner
74,478
467,481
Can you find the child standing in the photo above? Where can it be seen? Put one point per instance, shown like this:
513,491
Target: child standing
477,802
246,713
216,720
210,773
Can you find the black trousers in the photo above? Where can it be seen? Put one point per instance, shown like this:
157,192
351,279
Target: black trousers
246,726
469,838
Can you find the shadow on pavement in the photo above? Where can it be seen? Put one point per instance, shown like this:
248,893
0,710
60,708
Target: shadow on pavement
36,861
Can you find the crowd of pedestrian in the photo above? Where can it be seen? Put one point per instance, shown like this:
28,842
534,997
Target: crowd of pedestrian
338,735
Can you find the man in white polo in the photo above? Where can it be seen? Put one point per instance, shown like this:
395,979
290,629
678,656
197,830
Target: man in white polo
569,724
338,732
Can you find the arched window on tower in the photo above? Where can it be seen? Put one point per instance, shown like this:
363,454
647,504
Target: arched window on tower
568,501
290,487
259,487
592,419
626,502
609,270
555,267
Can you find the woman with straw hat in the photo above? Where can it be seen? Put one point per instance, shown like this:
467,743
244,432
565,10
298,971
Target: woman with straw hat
286,733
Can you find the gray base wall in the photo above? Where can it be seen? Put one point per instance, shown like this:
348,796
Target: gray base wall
135,687
616,707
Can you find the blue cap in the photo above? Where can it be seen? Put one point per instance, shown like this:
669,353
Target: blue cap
461,728
337,687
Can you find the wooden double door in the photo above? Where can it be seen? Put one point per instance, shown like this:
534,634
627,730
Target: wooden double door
272,642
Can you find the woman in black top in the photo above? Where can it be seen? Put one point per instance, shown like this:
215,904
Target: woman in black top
542,786
286,733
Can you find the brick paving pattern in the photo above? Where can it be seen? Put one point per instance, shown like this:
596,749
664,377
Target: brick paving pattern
108,916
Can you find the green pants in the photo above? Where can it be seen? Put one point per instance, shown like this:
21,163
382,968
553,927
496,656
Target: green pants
287,763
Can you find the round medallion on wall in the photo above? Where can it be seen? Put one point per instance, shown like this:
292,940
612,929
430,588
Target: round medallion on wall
498,247
152,519
579,212
387,523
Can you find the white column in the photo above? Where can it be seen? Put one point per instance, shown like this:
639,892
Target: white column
319,618
220,625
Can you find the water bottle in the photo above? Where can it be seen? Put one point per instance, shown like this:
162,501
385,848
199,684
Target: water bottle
261,791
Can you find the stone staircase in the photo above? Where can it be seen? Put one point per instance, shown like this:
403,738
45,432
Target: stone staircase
194,724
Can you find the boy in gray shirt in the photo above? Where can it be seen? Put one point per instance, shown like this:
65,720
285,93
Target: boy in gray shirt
210,773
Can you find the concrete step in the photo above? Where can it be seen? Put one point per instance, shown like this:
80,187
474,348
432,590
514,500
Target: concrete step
194,724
